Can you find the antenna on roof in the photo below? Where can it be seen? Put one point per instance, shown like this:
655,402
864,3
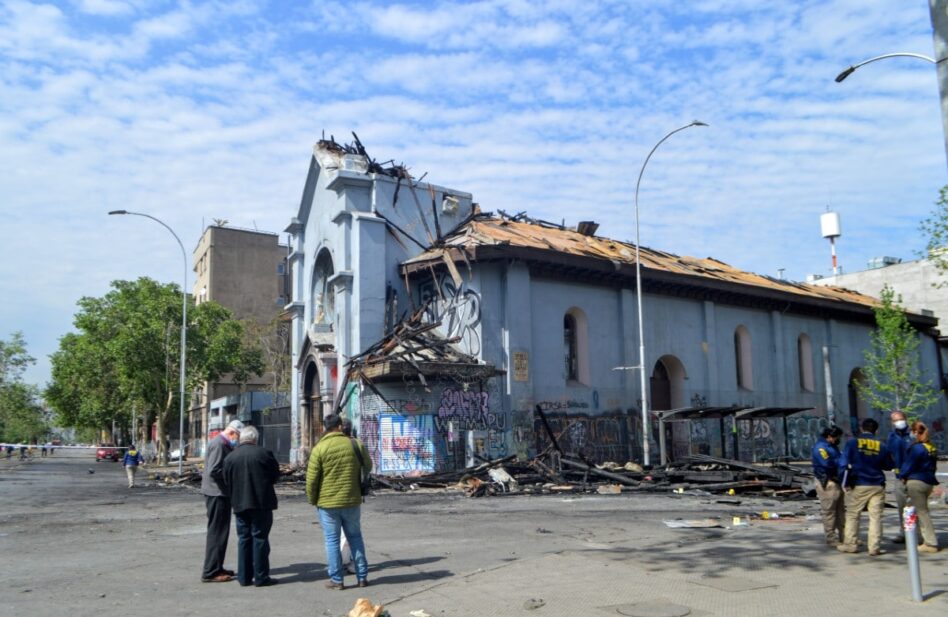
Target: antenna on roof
829,225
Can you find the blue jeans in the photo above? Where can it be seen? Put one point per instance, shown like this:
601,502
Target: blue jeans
347,519
253,545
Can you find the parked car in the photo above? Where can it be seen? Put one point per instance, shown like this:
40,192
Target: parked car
107,451
174,454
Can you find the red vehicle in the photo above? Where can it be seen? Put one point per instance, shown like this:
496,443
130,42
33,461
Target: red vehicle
107,451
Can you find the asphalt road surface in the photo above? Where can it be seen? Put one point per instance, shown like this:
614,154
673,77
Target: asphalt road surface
81,543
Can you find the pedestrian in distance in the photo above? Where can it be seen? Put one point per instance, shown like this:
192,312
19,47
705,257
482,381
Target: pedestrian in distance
133,458
334,479
918,476
862,466
249,474
825,458
217,504
898,443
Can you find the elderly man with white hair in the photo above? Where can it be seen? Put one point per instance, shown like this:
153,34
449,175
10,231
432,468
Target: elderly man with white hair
218,504
249,474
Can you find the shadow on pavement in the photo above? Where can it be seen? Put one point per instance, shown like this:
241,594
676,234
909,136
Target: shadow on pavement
703,553
300,572
414,577
394,563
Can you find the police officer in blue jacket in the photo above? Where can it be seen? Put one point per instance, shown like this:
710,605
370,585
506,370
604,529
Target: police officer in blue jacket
863,463
825,458
133,458
899,441
918,475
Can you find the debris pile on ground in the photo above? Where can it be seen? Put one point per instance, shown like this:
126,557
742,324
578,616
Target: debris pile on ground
551,473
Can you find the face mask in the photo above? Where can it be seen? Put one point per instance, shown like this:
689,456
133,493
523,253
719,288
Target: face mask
901,424
232,442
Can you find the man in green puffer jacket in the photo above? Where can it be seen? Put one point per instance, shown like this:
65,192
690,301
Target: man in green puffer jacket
333,484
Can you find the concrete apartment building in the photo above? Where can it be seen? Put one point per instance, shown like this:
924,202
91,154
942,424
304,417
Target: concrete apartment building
244,271
916,281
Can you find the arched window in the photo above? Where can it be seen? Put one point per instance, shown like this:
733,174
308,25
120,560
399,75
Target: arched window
805,363
576,347
742,357
322,300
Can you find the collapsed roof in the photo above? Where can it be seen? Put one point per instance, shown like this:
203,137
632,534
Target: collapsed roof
565,251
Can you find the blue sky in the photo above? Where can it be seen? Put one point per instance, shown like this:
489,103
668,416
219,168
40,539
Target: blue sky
204,110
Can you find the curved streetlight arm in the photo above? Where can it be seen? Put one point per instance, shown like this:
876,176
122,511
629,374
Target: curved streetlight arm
184,332
638,296
901,54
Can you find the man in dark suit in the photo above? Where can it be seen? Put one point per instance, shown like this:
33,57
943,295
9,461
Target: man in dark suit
217,503
249,474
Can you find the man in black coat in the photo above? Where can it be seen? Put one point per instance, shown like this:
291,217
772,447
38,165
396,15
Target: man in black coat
249,474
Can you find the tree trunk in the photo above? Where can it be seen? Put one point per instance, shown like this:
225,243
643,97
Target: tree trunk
161,434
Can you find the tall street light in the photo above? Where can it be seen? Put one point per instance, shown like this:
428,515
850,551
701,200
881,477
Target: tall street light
638,300
184,332
901,54
942,74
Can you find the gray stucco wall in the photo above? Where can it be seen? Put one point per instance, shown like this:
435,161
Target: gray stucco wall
507,317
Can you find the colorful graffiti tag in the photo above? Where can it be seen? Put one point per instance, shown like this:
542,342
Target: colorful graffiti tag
406,444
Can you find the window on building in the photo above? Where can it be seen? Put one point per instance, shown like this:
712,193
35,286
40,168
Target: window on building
805,363
576,347
742,357
570,345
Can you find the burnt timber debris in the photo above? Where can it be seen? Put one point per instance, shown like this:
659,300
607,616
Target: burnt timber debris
551,473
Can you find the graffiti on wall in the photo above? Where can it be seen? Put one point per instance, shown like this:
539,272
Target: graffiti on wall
406,444
468,410
597,438
457,307
369,436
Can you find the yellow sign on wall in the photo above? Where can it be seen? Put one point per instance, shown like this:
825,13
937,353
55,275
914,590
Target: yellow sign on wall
521,366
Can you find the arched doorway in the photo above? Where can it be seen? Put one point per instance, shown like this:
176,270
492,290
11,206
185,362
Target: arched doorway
667,389
858,408
310,408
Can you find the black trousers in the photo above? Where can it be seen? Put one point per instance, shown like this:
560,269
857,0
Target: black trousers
218,532
253,545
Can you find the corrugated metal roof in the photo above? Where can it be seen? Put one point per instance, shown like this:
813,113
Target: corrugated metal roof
493,231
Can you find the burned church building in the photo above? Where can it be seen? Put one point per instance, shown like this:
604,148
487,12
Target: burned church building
446,334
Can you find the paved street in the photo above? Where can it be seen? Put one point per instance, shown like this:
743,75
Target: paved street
83,544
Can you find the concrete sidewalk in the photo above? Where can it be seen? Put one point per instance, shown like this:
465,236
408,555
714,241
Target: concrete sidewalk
771,569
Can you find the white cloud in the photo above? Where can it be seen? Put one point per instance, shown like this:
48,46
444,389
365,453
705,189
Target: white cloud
195,111
111,8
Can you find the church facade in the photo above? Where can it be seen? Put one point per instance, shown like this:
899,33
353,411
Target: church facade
448,335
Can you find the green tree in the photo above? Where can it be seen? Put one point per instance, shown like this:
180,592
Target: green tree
21,415
125,354
893,378
935,228
273,339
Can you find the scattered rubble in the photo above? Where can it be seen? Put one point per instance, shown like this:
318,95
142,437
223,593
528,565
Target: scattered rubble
550,472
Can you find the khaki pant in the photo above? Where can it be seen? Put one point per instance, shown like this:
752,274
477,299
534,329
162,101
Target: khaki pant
833,511
130,471
918,494
873,499
901,498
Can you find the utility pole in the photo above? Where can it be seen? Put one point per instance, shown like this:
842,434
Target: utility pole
939,12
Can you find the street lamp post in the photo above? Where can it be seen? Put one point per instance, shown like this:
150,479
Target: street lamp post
901,54
184,332
940,21
638,301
